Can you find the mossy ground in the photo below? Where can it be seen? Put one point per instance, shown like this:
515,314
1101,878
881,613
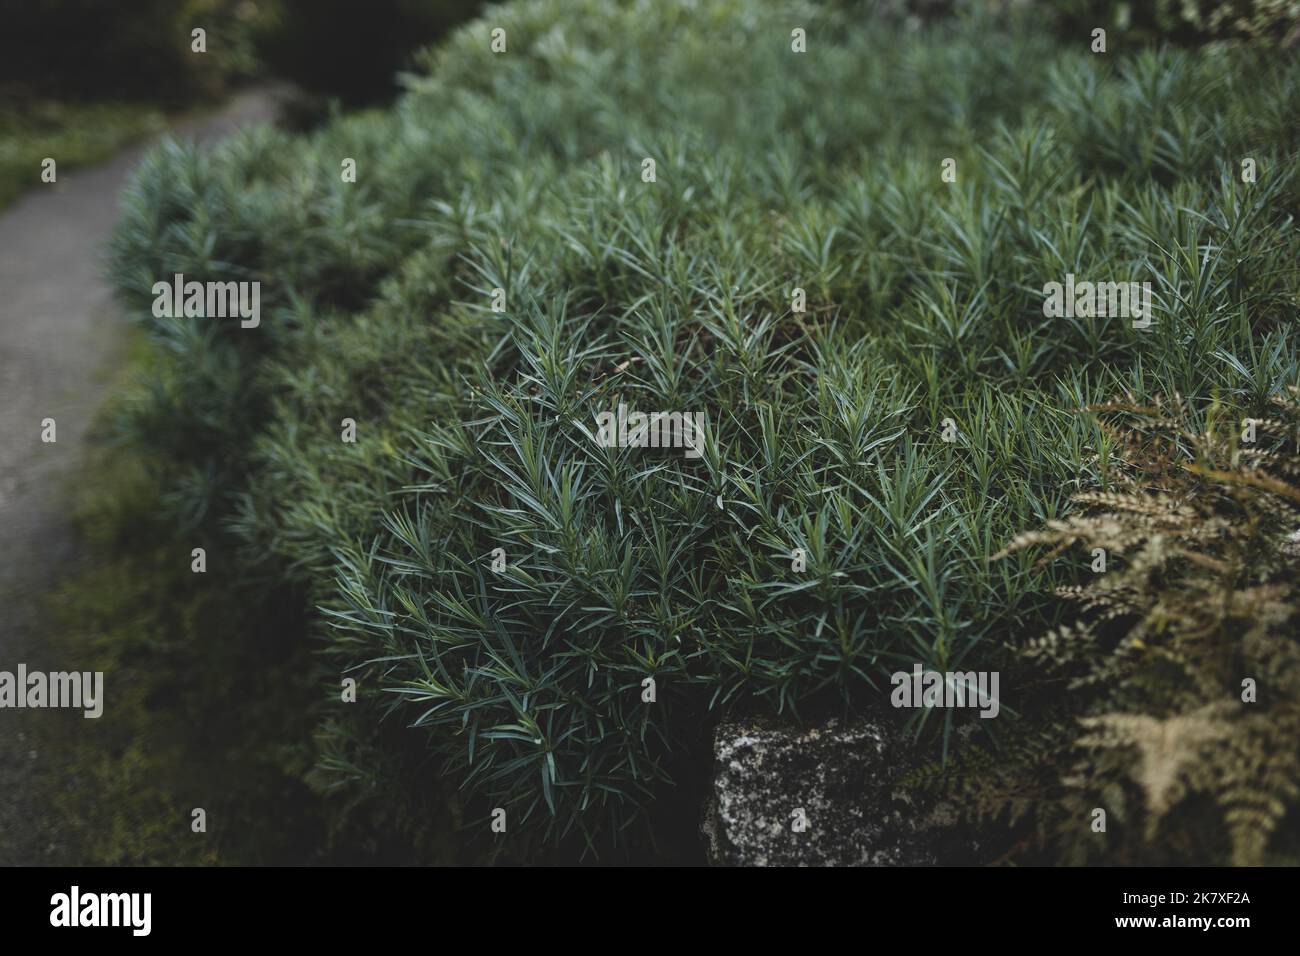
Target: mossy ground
73,134
211,701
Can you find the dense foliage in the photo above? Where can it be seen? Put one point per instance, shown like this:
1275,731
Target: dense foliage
1173,685
87,49
522,172
1273,22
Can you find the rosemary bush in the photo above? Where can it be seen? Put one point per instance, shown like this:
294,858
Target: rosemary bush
522,172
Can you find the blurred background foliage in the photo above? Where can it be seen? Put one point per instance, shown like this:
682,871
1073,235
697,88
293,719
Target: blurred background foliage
1270,22
93,50
352,51
339,49
1183,22
81,78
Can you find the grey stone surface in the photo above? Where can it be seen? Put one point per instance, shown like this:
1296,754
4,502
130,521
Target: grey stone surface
842,775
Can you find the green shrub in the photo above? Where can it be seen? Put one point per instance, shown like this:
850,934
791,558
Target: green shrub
522,172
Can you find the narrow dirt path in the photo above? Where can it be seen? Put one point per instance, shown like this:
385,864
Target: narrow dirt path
61,338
